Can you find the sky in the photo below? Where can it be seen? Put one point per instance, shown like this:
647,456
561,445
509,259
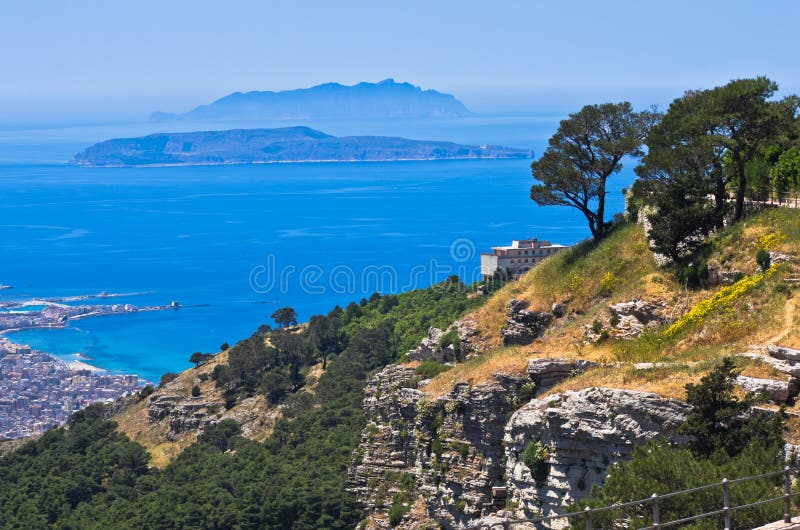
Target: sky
124,59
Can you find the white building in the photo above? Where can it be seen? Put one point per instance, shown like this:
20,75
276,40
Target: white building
517,258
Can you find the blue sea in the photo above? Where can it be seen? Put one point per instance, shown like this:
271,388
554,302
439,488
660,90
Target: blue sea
233,243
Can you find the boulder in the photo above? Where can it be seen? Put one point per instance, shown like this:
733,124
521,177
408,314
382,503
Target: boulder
430,347
523,326
636,315
549,372
782,352
777,391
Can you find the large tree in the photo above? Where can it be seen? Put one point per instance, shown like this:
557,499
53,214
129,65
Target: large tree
744,117
681,147
586,150
285,316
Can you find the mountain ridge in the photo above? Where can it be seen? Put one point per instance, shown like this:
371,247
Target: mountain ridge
385,99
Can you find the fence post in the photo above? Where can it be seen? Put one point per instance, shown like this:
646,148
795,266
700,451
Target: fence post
656,516
787,495
588,512
726,503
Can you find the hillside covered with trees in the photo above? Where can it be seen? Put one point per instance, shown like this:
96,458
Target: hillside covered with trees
681,296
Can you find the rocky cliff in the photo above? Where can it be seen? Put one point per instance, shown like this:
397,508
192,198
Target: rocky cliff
457,459
582,433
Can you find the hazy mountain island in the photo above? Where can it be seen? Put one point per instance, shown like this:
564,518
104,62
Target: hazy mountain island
289,144
386,99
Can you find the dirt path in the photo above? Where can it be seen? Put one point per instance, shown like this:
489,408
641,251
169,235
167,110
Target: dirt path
788,322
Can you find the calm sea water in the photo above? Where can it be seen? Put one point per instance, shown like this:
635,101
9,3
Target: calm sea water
233,243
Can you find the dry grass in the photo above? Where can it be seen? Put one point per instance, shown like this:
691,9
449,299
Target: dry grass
668,382
256,417
766,315
575,275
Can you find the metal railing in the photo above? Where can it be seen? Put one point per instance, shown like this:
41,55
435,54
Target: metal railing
774,197
725,510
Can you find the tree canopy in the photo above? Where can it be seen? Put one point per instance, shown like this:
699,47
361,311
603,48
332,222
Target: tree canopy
586,150
285,316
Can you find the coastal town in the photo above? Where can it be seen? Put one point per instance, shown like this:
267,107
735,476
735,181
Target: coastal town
38,390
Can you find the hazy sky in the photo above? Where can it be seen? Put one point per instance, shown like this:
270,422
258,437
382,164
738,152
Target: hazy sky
127,57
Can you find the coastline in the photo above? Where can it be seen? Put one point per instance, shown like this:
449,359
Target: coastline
58,317
320,161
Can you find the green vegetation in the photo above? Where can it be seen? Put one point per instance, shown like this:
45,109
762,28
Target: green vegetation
285,316
535,456
728,440
723,142
89,476
763,259
587,149
430,368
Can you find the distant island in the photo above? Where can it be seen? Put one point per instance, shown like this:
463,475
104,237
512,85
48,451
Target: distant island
386,99
288,144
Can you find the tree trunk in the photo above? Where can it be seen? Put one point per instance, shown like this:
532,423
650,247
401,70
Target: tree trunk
738,211
719,200
601,206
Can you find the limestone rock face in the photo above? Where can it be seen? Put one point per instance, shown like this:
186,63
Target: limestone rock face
548,372
585,431
784,353
429,348
446,450
783,360
182,414
445,453
634,316
777,391
523,326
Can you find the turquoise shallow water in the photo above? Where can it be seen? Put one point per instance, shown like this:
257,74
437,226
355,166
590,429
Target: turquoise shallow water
236,242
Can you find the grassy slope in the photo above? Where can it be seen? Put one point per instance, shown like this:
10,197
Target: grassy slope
591,277
255,414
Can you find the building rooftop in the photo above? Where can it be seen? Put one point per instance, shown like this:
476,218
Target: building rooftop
528,243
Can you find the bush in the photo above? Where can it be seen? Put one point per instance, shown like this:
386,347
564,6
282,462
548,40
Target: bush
763,259
167,378
535,456
145,392
195,391
430,368
451,339
526,392
694,275
397,511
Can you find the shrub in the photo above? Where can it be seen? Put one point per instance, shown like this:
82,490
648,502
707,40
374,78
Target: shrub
145,392
166,378
195,391
614,322
597,326
608,283
721,299
763,259
526,392
461,448
397,510
694,275
783,288
451,339
535,456
430,368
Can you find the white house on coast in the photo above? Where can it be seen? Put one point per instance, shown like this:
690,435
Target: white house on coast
517,258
